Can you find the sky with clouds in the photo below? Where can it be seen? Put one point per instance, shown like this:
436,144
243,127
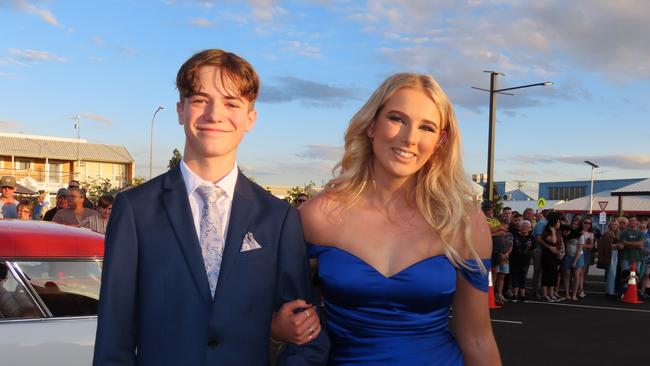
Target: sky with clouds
114,62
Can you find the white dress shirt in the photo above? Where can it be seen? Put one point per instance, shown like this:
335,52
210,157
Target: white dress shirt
227,183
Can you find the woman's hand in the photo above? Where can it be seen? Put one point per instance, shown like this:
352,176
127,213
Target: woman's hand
296,322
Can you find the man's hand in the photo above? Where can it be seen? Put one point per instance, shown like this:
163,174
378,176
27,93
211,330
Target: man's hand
296,322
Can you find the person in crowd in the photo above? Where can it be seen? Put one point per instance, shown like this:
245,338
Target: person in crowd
8,205
76,213
538,229
588,253
300,199
645,272
62,201
573,261
506,215
522,248
200,256
515,222
99,222
622,223
41,206
25,210
529,214
608,250
632,240
399,238
552,245
498,234
503,268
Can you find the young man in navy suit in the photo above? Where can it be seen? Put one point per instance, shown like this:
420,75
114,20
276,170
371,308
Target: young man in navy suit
196,277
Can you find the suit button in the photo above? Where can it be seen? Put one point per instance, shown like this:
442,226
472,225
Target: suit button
212,343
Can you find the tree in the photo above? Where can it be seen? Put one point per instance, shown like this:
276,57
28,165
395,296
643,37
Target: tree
96,188
294,192
175,160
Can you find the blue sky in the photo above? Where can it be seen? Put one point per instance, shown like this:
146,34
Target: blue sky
114,62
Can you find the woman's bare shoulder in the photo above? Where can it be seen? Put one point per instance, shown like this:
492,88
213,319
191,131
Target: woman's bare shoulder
320,217
480,237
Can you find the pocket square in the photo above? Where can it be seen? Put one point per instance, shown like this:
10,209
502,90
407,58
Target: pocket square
249,243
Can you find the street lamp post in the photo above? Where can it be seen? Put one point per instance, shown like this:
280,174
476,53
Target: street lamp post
492,125
591,192
151,141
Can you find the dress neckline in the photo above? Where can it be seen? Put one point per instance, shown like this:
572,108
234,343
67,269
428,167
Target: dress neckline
376,270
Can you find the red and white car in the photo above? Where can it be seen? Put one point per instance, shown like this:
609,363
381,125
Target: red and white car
49,292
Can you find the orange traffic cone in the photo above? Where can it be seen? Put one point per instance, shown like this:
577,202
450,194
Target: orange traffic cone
631,295
491,303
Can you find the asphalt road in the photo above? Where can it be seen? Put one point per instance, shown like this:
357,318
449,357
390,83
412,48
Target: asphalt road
594,331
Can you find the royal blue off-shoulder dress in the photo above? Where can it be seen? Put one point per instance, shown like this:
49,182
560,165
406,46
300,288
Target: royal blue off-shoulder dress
397,320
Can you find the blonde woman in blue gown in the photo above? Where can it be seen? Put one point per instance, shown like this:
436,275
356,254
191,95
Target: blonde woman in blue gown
399,239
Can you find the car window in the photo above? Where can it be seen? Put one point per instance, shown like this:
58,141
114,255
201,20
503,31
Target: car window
68,288
14,301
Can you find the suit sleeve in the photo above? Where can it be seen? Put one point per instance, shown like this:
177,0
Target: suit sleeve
294,283
116,327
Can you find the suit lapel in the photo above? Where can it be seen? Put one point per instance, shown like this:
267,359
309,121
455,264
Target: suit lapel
179,213
243,208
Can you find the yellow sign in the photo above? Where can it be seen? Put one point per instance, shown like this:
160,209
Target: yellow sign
541,202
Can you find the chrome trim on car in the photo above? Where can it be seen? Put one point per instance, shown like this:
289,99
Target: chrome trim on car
41,320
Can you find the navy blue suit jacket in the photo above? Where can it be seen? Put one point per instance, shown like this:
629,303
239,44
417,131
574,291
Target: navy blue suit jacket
155,304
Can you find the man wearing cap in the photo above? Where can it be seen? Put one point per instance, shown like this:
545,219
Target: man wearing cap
8,209
61,203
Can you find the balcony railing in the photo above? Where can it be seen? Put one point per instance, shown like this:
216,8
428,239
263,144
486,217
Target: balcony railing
52,179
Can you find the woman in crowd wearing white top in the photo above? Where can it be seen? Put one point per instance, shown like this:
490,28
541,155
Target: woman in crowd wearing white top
574,260
588,237
99,222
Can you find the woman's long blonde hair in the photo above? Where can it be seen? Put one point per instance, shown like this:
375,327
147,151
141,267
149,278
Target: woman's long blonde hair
443,193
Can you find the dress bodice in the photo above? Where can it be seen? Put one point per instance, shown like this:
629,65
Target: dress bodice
398,320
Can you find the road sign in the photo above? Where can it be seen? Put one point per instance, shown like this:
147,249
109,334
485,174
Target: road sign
603,205
603,218
541,202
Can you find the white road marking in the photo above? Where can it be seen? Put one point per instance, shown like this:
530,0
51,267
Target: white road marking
506,321
590,306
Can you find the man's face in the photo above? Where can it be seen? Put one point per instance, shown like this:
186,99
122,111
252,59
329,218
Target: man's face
633,223
507,214
214,119
75,200
529,215
62,201
516,221
622,223
8,192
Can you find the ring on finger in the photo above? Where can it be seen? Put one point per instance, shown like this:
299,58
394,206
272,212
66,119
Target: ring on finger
310,330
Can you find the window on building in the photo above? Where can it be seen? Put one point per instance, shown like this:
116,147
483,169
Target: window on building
22,164
566,193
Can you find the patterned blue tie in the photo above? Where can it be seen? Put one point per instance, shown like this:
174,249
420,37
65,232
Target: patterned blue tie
212,243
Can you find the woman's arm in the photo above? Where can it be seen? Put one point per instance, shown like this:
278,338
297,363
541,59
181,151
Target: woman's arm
471,318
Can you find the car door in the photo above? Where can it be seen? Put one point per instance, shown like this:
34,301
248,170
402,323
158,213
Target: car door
48,311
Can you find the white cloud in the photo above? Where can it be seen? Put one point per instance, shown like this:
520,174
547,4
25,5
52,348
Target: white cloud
265,10
35,55
7,125
202,22
620,161
301,48
44,14
95,117
321,152
97,41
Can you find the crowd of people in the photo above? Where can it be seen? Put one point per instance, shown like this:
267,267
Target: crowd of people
561,248
72,208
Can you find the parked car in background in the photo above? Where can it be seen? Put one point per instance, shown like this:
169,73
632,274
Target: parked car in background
49,292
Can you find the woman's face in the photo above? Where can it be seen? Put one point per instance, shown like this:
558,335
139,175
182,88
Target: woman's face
105,212
404,134
575,224
613,225
24,213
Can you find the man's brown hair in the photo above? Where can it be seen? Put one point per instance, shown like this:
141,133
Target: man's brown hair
232,68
